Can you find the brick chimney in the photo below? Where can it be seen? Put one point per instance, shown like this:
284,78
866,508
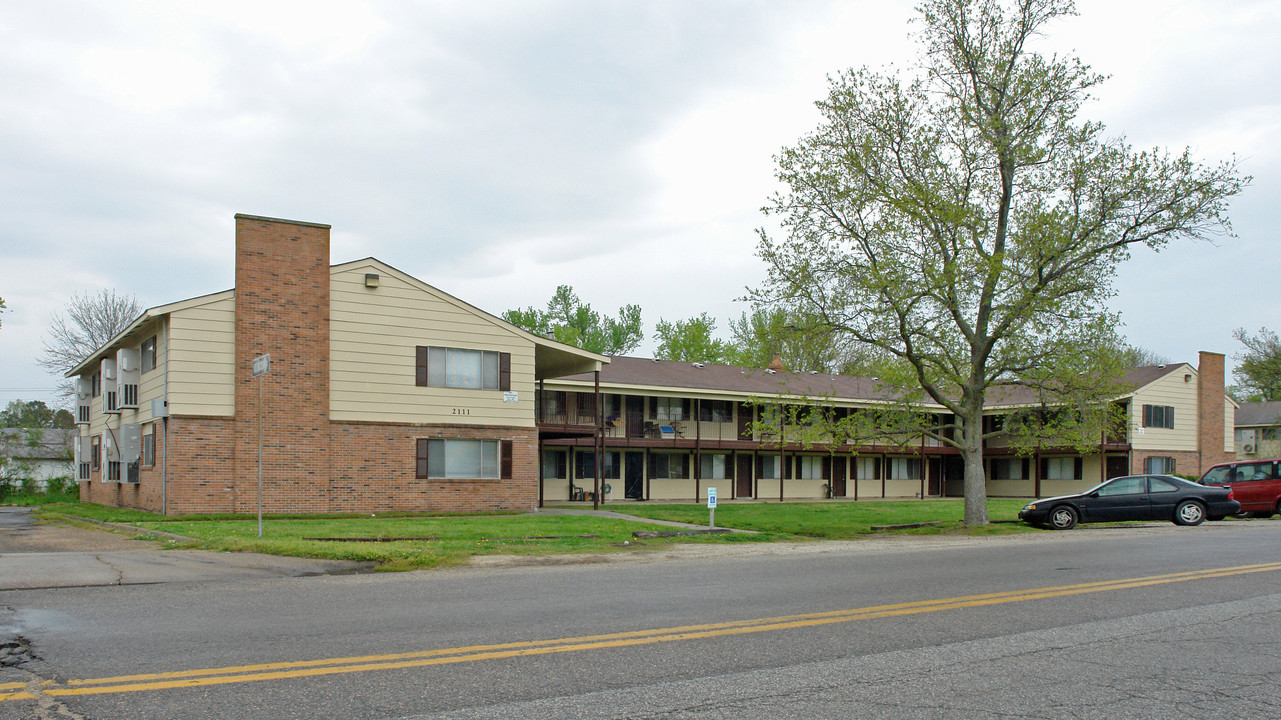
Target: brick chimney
282,309
1210,402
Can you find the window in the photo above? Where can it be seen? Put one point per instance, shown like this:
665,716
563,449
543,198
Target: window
149,446
767,467
148,351
1255,471
721,411
466,459
585,466
1009,469
553,402
463,369
668,465
1218,475
1125,486
1158,485
1061,468
95,384
97,452
1158,416
809,467
904,468
1158,465
554,464
669,409
867,468
713,466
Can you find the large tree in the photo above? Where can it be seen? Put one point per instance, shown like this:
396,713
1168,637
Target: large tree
1258,371
86,324
567,319
965,220
691,340
35,414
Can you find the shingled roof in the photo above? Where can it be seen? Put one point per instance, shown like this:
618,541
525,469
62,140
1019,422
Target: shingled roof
675,376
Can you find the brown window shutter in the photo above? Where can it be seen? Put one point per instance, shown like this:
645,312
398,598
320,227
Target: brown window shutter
421,470
1078,468
1027,468
420,378
1045,468
504,371
506,472
827,468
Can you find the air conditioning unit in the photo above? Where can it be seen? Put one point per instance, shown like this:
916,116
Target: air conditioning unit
1248,449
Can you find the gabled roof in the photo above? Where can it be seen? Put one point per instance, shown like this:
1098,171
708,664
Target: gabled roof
551,358
147,315
1258,414
51,444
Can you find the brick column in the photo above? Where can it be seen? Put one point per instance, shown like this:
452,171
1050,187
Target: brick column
282,308
1210,399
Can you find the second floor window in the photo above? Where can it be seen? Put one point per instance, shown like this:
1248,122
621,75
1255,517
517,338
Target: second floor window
463,369
1160,416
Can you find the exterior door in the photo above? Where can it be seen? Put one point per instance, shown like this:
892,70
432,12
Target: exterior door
838,477
634,475
743,477
1118,465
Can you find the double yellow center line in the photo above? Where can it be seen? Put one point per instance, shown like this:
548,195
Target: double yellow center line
475,653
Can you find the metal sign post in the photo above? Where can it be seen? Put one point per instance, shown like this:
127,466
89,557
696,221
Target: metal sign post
711,507
262,366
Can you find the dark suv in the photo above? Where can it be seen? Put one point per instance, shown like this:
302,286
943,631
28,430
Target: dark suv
1256,484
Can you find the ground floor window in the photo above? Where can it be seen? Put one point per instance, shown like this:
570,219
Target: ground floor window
767,467
149,446
905,468
554,463
668,465
1158,465
714,466
585,466
809,468
867,468
471,459
1062,468
1009,469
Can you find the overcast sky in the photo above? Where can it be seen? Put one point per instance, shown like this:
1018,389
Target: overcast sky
498,149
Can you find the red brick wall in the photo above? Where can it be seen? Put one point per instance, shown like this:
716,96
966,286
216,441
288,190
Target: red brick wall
1210,411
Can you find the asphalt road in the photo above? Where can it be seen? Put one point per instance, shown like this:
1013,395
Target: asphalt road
1153,621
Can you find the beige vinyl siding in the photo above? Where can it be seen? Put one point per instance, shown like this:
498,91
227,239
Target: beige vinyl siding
373,336
1229,426
202,359
1172,390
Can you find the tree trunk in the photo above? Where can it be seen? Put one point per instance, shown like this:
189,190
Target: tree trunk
975,478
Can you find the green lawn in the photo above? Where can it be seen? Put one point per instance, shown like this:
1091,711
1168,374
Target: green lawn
441,540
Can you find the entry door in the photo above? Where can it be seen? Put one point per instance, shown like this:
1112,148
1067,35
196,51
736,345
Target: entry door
743,478
634,476
1118,466
838,477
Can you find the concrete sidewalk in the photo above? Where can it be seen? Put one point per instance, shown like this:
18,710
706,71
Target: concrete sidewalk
39,555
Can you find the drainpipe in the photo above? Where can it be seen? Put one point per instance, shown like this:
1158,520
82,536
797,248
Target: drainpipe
597,444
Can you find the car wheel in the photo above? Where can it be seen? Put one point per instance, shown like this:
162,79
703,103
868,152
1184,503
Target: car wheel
1063,517
1189,512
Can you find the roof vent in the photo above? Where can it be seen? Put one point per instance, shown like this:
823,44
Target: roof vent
771,371
1161,366
699,365
813,372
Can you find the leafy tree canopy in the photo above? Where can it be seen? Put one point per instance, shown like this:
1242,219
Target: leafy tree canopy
1258,371
691,341
35,414
965,221
567,319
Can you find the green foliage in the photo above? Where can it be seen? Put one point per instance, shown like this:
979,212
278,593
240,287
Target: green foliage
569,321
35,414
691,341
1258,371
966,222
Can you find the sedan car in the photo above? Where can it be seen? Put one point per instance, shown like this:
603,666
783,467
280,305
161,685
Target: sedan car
1134,497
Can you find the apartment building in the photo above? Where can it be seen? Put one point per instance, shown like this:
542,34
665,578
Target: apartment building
359,388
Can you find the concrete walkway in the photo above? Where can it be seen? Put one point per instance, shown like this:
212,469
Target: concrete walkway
631,518
39,555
